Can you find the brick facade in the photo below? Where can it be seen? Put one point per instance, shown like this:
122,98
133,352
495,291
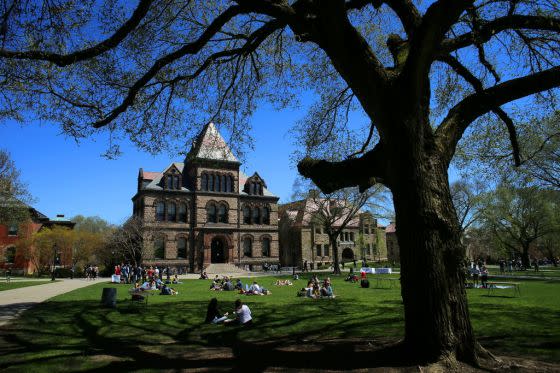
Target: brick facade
208,180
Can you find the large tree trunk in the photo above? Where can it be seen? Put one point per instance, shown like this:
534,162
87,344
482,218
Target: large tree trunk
336,263
437,322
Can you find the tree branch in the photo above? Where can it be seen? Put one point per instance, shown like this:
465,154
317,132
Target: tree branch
488,29
331,176
462,71
426,40
88,53
192,48
470,108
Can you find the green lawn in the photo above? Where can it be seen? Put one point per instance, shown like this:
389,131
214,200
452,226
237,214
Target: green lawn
20,284
73,333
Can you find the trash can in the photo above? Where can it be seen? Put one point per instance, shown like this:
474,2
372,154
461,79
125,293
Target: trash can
109,297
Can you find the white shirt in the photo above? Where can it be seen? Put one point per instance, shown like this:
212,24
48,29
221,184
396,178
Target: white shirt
243,314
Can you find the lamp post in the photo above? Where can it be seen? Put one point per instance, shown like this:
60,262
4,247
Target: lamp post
55,253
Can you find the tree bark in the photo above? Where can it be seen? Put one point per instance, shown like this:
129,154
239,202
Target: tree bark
336,263
437,322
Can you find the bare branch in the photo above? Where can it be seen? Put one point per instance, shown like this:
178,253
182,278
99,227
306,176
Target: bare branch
192,48
473,106
462,71
490,28
88,53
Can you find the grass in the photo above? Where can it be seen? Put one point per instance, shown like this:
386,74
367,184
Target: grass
20,284
73,333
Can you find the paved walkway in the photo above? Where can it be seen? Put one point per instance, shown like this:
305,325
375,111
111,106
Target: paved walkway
14,302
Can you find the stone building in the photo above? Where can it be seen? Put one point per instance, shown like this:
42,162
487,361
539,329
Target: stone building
205,210
393,250
304,240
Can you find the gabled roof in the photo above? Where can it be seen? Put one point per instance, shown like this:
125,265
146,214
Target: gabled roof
243,179
211,145
302,212
155,177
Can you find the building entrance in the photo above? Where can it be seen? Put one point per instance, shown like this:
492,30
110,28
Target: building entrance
217,251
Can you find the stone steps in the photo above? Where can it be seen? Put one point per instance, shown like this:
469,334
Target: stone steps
222,268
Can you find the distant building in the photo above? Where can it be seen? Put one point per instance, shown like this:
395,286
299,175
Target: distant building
205,210
303,240
14,258
393,250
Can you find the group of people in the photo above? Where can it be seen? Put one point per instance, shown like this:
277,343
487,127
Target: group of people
151,280
241,311
477,273
317,289
91,271
131,274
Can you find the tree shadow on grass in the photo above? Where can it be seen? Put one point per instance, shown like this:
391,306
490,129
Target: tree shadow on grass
304,334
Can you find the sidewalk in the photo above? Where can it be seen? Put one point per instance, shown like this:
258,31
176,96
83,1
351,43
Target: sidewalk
14,302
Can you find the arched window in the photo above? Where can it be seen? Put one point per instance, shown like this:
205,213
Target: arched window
223,183
222,214
247,247
229,184
10,255
266,215
160,211
211,209
253,188
159,248
246,215
176,182
211,182
182,214
204,182
181,248
260,189
256,215
171,211
266,246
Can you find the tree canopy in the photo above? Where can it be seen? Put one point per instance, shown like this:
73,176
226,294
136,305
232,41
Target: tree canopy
422,73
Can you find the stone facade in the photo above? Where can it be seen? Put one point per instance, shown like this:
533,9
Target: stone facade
393,249
195,212
302,241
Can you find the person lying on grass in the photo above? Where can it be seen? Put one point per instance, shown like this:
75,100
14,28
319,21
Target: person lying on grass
242,315
283,283
255,289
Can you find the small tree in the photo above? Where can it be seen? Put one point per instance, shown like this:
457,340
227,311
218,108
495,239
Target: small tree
334,212
126,241
13,192
518,217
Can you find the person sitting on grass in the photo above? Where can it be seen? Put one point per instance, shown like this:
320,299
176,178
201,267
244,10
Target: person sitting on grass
166,290
239,285
203,276
216,286
213,314
327,291
228,286
242,315
176,280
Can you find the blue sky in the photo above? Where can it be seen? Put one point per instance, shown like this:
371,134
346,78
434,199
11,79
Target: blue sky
72,179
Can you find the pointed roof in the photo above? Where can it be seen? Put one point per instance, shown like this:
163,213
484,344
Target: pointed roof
211,145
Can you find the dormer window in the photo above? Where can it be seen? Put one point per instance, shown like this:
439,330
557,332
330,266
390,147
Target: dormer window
172,180
255,185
